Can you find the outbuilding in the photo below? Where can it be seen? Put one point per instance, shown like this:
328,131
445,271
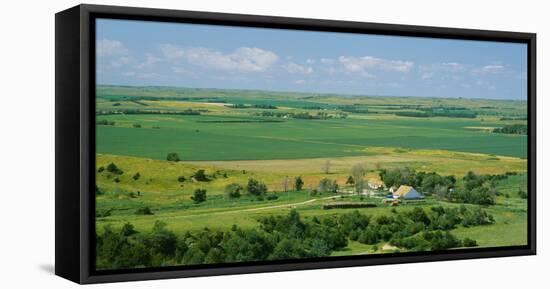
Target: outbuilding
407,193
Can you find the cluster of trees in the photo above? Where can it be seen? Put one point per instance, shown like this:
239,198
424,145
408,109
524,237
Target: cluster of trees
283,237
428,183
147,111
512,129
476,189
173,157
263,106
296,115
105,122
111,168
462,113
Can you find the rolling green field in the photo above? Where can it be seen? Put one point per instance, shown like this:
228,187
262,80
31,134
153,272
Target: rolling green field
275,137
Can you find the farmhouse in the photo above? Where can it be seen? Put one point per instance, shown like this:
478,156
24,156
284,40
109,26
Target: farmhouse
407,193
375,184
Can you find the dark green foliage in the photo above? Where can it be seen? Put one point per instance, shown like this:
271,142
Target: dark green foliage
522,194
298,183
256,188
112,168
272,197
512,129
350,181
427,183
136,125
327,186
102,213
136,176
181,179
173,157
200,176
104,122
467,242
282,237
101,169
144,211
98,191
233,191
199,196
117,180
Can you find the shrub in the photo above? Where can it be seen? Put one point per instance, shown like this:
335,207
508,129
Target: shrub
233,191
144,211
522,194
200,176
172,157
117,180
328,186
181,179
136,176
112,168
298,183
199,196
467,242
256,188
100,169
272,197
136,125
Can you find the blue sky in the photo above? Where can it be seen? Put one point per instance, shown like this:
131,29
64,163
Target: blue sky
190,55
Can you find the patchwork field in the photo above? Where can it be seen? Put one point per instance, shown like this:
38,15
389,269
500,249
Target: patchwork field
274,138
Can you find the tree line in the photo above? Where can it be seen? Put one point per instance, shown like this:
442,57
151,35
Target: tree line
285,237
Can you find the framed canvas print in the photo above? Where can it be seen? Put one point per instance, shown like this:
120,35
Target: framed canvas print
193,144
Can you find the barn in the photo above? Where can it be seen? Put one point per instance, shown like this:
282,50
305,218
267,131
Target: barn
407,193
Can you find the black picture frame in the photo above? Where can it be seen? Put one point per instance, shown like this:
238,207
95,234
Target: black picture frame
75,141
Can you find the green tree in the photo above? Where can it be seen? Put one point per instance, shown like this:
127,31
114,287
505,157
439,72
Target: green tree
173,157
233,191
350,181
256,188
199,196
298,183
200,176
136,176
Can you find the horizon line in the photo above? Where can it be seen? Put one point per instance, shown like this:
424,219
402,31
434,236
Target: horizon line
319,93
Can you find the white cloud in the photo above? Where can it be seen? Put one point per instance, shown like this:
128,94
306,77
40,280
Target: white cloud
123,60
327,61
368,63
294,68
150,60
242,59
106,47
311,61
492,69
299,81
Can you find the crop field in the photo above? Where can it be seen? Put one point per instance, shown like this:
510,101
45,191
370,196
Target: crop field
224,138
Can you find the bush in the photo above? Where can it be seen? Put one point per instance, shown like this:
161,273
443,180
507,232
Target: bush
112,168
199,196
200,176
298,183
233,191
136,125
136,176
327,186
272,197
100,169
181,179
143,211
522,194
256,188
117,180
467,242
172,157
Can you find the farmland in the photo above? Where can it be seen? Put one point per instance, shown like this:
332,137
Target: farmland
233,136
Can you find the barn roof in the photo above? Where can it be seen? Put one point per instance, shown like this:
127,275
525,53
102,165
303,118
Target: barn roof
403,191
